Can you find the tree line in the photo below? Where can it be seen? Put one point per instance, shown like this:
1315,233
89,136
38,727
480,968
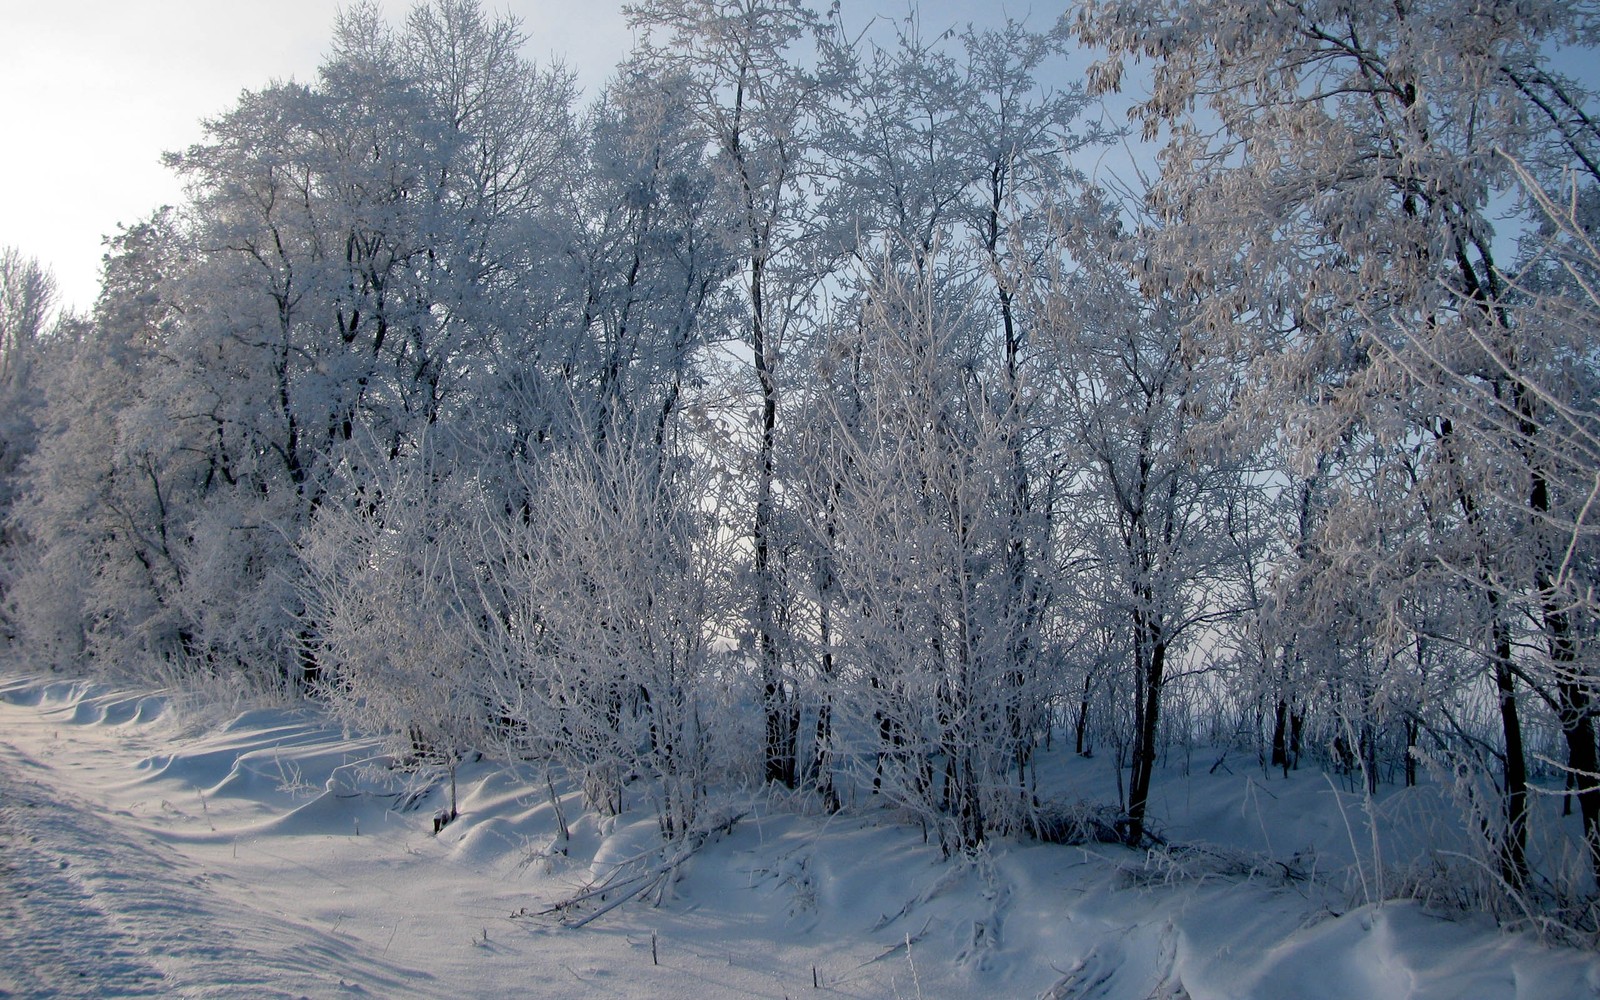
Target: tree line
797,410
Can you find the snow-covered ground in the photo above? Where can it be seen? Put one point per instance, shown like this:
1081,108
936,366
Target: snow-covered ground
145,851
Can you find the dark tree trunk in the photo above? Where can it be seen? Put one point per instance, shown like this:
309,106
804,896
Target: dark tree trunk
1280,736
1083,716
1150,679
1514,846
782,722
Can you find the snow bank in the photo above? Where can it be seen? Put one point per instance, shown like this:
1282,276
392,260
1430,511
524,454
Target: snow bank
276,827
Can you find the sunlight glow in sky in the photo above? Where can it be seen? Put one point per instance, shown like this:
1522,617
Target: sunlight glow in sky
97,90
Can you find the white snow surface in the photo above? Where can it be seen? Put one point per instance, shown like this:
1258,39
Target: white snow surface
151,852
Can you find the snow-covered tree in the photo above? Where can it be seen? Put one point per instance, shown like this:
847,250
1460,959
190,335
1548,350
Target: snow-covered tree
941,152
102,504
27,304
389,588
1153,462
754,105
1328,183
923,624
600,618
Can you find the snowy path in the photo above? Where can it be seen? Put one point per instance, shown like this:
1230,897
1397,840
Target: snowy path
88,908
143,860
57,938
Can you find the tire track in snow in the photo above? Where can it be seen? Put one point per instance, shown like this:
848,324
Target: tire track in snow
57,942
86,910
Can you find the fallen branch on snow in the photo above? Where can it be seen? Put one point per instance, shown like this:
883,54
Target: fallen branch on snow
628,881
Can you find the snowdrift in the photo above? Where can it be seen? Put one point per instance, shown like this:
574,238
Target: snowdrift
271,847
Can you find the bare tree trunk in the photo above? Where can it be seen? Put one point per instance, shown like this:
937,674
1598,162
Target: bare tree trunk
1514,847
1576,707
1150,678
822,760
781,720
1082,726
1280,736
